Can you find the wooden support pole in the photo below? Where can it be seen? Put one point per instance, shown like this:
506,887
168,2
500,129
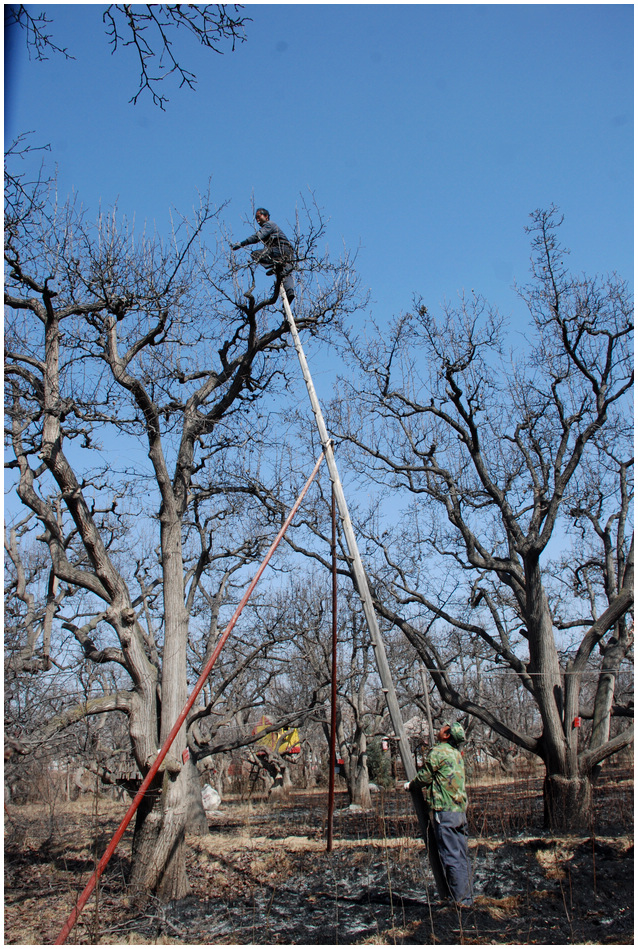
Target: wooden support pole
361,583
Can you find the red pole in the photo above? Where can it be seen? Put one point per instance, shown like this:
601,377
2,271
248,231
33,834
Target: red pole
108,853
333,704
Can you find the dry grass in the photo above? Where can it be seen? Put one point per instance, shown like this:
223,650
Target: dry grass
372,889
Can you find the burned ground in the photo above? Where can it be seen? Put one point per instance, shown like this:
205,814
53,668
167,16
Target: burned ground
263,876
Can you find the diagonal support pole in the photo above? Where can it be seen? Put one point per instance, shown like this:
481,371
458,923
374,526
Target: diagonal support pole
361,582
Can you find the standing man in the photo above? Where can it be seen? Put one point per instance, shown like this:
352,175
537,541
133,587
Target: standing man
278,254
443,778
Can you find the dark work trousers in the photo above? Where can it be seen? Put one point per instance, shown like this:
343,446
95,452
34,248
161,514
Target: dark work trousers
273,259
450,830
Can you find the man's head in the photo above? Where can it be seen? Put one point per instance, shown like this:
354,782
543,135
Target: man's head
262,215
452,733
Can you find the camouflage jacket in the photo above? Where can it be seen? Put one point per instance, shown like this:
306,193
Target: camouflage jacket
443,778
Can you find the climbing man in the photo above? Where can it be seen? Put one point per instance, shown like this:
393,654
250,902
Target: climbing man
443,778
278,253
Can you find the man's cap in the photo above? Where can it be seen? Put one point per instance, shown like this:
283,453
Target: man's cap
457,733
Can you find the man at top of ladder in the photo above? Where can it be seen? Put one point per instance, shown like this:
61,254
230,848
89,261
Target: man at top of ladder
278,253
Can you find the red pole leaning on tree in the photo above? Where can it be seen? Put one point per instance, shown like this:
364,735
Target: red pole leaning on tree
108,853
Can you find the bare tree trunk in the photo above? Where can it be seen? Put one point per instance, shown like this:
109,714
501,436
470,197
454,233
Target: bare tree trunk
361,790
358,777
615,652
165,871
148,820
221,774
545,670
159,851
567,802
196,821
566,793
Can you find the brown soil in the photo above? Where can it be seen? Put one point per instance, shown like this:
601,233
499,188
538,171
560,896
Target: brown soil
263,876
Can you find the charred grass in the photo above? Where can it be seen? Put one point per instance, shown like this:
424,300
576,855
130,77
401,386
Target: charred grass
262,876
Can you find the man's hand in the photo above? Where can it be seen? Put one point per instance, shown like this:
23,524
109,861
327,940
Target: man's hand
406,786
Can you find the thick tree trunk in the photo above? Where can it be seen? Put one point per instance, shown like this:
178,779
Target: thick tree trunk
566,792
196,821
159,850
148,822
361,790
568,803
166,874
544,669
615,651
358,776
163,862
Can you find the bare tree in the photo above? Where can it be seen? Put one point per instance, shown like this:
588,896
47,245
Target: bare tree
250,681
149,30
28,617
307,613
156,354
505,461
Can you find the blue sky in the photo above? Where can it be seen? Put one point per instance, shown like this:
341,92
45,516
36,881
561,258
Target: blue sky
427,133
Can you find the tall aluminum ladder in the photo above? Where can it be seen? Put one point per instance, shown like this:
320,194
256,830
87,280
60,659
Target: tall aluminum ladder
366,600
